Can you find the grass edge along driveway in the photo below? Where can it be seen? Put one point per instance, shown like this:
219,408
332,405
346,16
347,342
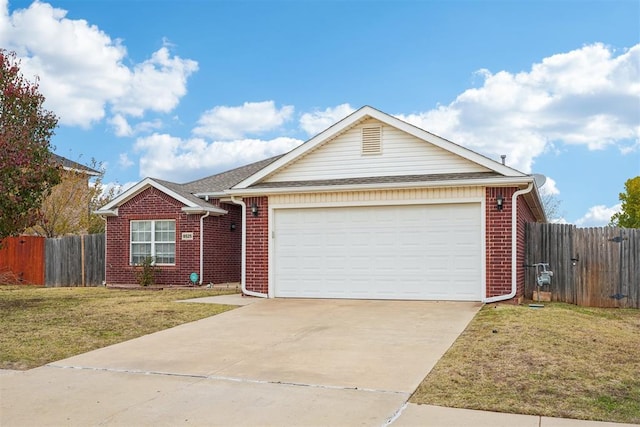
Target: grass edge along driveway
558,361
42,325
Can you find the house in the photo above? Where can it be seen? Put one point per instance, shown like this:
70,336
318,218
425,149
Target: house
65,210
372,207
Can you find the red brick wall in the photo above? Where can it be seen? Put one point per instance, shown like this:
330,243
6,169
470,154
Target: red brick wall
223,247
257,268
223,265
498,241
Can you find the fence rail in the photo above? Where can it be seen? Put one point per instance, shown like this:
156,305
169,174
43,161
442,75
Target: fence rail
56,262
596,267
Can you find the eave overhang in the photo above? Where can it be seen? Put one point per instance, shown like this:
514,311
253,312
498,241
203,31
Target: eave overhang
488,182
195,210
106,212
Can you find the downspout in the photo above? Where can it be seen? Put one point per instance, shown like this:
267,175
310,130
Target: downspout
104,218
243,277
514,249
202,245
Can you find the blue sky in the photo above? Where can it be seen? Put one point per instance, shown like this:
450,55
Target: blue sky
184,89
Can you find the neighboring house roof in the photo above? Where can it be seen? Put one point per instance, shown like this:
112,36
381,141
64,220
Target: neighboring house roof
70,165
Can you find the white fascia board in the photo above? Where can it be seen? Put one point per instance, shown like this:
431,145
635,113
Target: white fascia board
141,186
488,182
389,120
192,210
126,195
211,195
105,213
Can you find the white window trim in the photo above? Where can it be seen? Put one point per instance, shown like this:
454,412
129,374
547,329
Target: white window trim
153,240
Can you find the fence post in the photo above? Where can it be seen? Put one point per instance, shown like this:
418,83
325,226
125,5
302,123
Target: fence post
82,259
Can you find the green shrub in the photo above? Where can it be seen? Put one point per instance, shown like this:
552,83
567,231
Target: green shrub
146,276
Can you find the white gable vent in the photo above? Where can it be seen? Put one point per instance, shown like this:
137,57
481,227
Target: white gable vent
372,140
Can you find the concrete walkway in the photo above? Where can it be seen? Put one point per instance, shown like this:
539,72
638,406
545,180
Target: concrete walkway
269,362
437,416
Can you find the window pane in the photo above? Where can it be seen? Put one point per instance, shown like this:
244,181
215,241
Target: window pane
165,253
141,231
165,231
165,236
140,225
140,251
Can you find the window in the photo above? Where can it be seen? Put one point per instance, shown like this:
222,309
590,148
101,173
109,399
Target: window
156,239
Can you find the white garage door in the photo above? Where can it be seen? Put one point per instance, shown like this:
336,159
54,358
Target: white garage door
429,252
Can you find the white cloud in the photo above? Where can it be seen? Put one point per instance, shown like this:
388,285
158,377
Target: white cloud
317,121
157,84
251,118
82,69
598,216
561,220
181,160
120,125
549,188
122,128
124,160
587,96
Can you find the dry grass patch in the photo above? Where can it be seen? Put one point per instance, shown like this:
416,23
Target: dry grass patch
558,361
41,325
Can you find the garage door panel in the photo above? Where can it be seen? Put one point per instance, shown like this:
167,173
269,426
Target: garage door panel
386,252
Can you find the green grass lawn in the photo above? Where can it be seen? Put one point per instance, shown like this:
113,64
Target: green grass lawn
557,361
41,325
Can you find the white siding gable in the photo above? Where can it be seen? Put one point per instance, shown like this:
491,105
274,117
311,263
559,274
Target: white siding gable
400,154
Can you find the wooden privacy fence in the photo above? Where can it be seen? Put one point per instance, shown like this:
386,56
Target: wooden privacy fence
595,267
64,261
22,260
75,260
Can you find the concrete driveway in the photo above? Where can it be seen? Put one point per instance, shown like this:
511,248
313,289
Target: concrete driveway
273,362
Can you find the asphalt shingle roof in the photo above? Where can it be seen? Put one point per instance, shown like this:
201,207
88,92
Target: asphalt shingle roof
70,164
214,183
226,180
183,191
